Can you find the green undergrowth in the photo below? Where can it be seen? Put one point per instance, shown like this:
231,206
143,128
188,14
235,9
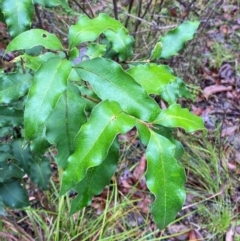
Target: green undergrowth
209,186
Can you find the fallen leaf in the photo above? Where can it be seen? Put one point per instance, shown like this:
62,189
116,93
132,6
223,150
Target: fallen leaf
212,89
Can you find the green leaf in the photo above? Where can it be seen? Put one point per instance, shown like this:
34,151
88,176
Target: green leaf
13,194
91,99
5,152
10,116
175,90
40,173
175,39
47,3
55,3
175,116
64,123
89,29
104,74
165,178
95,180
4,131
156,52
152,77
167,132
48,85
32,38
8,171
94,140
34,62
2,19
18,15
22,154
95,50
13,86
144,132
121,42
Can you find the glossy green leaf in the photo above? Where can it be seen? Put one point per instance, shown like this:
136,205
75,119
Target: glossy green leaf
13,194
175,90
32,38
110,82
10,116
89,29
152,77
95,180
95,50
175,39
165,178
40,173
9,171
18,15
175,116
121,42
144,132
13,86
168,133
64,123
49,83
156,52
22,153
34,62
94,140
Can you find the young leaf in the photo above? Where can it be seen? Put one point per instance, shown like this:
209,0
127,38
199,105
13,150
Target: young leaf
104,74
95,180
22,154
32,38
95,50
121,42
152,77
34,62
64,123
10,116
94,140
175,90
156,52
40,173
175,39
18,15
48,85
165,178
175,116
13,86
13,194
89,29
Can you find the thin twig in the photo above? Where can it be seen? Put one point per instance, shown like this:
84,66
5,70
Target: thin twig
151,24
129,11
81,8
115,9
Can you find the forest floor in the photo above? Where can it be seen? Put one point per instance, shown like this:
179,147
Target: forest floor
210,65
